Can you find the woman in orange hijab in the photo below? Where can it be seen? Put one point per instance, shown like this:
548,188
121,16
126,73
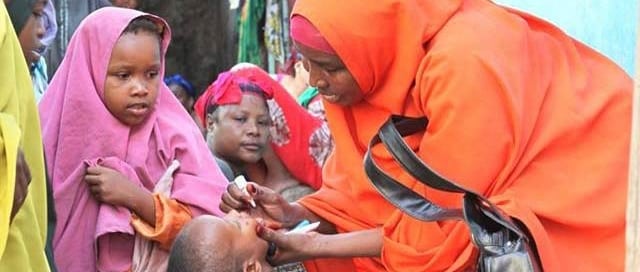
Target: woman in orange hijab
518,111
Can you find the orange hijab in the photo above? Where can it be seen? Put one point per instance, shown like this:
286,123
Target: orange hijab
518,111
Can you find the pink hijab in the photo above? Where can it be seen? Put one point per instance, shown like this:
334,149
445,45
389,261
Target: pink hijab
78,130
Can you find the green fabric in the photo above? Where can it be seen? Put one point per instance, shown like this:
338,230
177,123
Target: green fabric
305,98
19,11
249,43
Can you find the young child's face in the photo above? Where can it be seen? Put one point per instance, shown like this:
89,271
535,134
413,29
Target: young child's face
32,32
243,232
131,86
238,232
241,132
185,99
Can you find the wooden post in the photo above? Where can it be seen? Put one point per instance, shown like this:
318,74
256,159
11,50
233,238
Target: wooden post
633,201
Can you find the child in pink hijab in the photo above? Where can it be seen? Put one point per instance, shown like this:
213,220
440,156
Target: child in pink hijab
112,130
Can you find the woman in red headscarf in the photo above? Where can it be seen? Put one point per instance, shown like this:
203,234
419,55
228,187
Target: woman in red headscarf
518,111
299,142
243,109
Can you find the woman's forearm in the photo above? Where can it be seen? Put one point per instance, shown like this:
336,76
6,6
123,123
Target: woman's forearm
364,243
299,213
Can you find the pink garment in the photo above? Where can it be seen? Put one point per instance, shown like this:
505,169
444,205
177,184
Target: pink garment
78,129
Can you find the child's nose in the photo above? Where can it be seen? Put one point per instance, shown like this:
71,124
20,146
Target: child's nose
140,88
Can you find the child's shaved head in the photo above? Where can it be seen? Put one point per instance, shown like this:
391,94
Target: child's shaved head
210,243
199,248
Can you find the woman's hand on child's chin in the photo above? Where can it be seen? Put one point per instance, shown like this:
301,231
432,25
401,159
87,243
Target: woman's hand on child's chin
109,186
271,206
291,247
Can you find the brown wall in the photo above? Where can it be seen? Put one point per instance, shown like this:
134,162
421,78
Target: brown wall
203,37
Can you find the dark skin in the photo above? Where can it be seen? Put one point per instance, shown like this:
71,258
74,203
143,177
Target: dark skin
274,212
270,172
330,75
337,85
112,187
32,32
23,179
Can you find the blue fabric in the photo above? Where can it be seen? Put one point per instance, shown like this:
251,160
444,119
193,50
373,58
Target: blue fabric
605,25
182,82
39,78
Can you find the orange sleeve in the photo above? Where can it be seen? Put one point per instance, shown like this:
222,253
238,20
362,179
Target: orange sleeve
171,215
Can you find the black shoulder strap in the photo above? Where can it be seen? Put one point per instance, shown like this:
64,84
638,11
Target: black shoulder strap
399,195
410,202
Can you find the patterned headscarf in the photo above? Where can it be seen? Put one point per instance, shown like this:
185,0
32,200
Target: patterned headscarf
227,90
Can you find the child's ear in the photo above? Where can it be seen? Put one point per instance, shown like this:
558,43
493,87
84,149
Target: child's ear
252,266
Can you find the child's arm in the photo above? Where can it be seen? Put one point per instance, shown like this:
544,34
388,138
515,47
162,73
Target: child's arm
171,216
112,187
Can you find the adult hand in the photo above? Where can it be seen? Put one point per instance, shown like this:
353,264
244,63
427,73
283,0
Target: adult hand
270,206
290,247
110,186
23,179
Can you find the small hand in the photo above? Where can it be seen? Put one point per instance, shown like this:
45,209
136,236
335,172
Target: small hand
110,186
289,247
23,179
270,205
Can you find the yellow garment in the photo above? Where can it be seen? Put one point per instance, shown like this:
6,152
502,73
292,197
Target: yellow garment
22,241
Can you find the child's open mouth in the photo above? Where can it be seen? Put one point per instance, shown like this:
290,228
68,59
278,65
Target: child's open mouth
138,109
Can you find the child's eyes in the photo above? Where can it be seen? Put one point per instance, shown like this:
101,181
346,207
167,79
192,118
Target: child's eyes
122,75
152,74
264,123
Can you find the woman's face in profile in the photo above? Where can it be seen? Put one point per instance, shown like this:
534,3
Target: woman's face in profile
328,73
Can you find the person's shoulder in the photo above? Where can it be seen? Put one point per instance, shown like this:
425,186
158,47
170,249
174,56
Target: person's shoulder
225,168
477,31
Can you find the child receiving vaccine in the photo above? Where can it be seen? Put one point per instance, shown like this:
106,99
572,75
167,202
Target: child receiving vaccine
228,244
111,130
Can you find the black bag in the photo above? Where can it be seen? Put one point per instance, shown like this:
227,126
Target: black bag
503,244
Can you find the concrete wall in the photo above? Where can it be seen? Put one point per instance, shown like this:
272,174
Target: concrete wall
609,26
